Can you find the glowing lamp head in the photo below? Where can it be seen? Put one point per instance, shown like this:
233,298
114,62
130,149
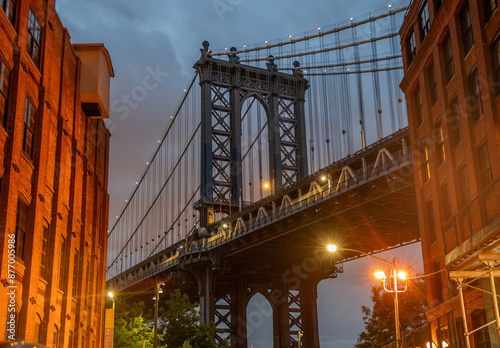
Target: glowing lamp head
331,248
323,178
266,185
380,275
402,275
110,294
224,226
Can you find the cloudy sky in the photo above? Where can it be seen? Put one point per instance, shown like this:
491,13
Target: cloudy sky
165,37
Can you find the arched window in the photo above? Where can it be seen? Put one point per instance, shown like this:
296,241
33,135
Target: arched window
55,337
38,331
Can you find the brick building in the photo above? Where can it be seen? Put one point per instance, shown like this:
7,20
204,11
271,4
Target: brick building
451,54
53,178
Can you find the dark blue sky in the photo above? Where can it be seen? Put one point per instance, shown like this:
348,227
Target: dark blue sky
166,36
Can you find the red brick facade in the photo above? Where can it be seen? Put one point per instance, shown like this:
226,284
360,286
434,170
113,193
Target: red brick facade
53,188
452,89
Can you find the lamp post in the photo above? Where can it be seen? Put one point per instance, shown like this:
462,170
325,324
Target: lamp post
267,186
158,291
381,275
109,323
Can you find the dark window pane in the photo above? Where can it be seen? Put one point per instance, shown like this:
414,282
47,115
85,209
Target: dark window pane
411,48
4,92
418,105
448,58
445,192
432,84
423,21
495,54
481,337
438,4
466,28
463,178
62,260
485,165
437,281
29,128
9,7
75,275
44,259
489,7
456,121
474,102
34,37
21,228
431,220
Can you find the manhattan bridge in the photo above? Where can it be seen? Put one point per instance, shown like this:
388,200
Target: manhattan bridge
275,150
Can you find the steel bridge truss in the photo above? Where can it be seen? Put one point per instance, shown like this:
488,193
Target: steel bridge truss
225,85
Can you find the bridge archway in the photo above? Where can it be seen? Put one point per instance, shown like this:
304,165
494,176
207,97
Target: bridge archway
259,320
255,166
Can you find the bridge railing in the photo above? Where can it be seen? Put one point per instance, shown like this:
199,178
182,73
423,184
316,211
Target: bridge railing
475,216
360,176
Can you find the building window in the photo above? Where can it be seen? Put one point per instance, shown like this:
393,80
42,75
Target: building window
426,168
38,332
29,128
463,180
411,48
489,7
34,38
485,165
456,121
432,84
495,54
431,220
474,102
9,7
55,337
87,283
438,283
445,192
418,105
448,58
45,255
62,260
21,228
4,92
466,23
438,4
423,21
70,339
74,288
439,139
481,337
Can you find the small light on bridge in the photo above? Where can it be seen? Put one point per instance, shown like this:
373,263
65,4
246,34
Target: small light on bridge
290,37
351,19
319,29
224,226
266,42
390,6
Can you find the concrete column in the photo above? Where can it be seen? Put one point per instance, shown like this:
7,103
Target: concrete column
239,301
207,304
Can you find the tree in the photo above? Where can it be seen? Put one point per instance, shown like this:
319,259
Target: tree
181,327
379,320
131,328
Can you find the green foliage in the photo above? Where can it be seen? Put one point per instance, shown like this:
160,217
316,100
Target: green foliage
380,320
181,327
131,328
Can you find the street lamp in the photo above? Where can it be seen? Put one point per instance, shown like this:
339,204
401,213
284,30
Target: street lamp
325,178
158,291
112,297
381,275
267,186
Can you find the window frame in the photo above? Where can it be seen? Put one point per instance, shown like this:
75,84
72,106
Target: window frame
431,76
4,91
446,198
484,164
495,56
431,220
9,8
45,253
34,37
411,47
439,140
466,26
464,185
74,285
62,261
448,57
417,99
425,161
476,111
456,121
21,228
29,128
423,21
489,8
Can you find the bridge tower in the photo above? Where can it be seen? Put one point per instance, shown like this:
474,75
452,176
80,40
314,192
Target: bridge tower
225,85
